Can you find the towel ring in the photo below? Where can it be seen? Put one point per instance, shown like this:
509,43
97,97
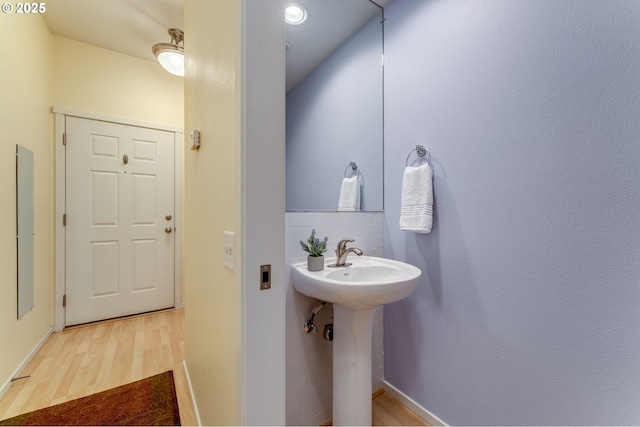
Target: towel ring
354,168
420,152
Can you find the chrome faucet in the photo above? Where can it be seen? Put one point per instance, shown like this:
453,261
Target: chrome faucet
342,252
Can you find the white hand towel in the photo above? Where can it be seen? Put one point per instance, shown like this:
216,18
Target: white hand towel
349,194
416,211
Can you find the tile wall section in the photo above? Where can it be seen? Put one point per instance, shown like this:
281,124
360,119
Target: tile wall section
309,356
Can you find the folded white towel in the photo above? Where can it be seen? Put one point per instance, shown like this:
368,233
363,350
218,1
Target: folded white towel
349,194
416,211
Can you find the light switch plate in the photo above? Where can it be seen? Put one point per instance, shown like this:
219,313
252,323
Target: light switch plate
228,249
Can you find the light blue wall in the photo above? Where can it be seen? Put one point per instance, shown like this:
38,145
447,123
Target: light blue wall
528,311
334,117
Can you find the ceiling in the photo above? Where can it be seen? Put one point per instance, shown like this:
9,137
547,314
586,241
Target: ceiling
329,25
132,27
127,26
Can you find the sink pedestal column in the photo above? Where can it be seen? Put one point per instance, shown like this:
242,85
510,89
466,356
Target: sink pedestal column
353,330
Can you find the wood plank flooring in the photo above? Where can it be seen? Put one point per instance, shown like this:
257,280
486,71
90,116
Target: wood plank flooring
87,359
389,411
83,360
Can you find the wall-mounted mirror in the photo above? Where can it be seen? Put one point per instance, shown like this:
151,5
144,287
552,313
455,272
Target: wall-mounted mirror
334,103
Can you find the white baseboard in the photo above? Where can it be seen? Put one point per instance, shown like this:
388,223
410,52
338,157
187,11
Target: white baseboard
7,385
411,404
193,398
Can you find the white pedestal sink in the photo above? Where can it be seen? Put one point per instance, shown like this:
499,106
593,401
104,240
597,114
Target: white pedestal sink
356,291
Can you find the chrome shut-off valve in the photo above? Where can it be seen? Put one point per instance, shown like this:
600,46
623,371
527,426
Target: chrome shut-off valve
310,327
327,334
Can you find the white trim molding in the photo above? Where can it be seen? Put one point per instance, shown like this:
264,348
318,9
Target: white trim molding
191,393
177,213
112,119
415,407
60,237
261,212
7,385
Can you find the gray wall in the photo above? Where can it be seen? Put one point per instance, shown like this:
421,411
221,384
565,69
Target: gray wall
528,311
334,116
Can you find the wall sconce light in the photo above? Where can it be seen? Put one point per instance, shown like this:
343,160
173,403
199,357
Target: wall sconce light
171,55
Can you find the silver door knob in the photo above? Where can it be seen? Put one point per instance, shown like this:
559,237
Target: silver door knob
168,230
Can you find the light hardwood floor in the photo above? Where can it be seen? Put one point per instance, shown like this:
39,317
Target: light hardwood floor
389,411
87,359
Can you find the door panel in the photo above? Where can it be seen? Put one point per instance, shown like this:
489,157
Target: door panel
145,264
119,187
105,198
104,268
144,199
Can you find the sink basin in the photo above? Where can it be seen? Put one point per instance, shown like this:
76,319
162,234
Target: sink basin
367,282
355,291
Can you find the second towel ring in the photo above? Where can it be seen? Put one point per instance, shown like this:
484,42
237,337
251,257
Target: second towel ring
420,152
354,168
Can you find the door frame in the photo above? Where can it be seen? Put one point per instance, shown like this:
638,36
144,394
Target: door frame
60,114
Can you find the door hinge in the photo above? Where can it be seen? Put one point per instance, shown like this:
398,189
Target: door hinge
64,220
64,138
64,300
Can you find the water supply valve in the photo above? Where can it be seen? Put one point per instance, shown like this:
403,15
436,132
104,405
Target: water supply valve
310,327
327,334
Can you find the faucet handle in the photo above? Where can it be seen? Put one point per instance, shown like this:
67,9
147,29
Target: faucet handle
342,244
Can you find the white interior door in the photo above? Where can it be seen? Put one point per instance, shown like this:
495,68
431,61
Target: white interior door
119,232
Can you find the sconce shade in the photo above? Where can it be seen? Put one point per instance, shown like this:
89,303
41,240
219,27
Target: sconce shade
171,55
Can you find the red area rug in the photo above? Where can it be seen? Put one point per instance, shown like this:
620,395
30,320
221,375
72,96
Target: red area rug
148,402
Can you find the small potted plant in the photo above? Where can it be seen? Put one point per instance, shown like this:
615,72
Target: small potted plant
315,247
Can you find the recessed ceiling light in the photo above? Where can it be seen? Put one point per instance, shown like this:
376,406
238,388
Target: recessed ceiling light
295,14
